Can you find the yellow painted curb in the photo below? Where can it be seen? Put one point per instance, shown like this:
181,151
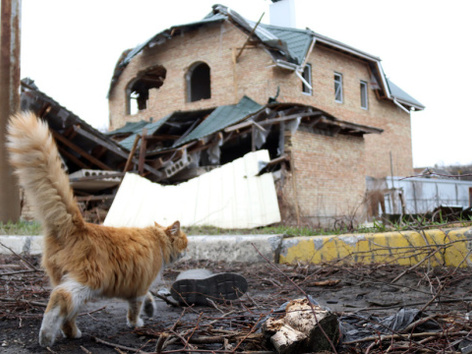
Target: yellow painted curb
432,247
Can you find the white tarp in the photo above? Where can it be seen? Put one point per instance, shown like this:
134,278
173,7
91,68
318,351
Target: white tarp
231,196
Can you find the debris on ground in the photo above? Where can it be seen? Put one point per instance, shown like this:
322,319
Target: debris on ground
425,310
304,327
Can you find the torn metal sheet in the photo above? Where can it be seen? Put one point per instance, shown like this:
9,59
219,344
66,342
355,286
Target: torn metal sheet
231,197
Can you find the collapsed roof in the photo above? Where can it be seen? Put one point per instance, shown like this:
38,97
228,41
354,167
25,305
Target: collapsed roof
80,145
185,144
288,47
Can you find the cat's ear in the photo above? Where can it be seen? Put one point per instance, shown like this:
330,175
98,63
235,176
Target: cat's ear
156,224
174,228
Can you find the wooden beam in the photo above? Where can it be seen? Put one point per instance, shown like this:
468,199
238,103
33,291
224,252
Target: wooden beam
142,152
131,154
80,151
187,132
114,149
352,126
78,129
249,37
166,151
272,121
99,152
71,157
314,122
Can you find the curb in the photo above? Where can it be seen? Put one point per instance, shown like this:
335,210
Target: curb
434,247
231,248
439,248
235,248
21,244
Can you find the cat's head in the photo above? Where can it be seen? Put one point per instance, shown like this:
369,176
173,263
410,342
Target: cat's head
178,240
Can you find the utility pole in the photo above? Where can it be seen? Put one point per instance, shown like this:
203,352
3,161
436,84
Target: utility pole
9,103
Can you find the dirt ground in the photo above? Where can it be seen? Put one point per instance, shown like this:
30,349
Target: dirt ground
361,296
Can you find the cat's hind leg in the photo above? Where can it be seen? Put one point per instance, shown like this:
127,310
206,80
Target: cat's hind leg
64,305
134,312
149,305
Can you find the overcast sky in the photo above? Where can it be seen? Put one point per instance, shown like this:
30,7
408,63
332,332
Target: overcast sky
70,49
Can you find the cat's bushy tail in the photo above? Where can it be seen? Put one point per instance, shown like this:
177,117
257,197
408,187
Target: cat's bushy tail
35,158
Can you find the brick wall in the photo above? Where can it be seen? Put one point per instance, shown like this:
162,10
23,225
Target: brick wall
213,45
330,171
255,76
326,178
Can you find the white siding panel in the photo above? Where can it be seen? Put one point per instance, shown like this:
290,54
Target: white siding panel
231,196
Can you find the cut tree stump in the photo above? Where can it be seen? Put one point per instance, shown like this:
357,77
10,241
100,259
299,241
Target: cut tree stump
298,331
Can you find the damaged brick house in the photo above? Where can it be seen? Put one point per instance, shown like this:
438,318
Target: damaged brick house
209,91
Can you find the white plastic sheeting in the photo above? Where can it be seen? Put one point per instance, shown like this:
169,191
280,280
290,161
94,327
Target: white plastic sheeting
231,196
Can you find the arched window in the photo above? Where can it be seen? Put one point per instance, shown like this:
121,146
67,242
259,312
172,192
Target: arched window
198,82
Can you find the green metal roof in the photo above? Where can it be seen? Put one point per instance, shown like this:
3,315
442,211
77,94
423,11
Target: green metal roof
137,128
129,128
223,117
297,42
219,118
402,96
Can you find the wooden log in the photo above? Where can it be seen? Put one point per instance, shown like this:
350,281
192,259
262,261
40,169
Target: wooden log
303,328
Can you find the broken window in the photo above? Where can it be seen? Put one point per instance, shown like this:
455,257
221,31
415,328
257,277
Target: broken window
307,77
364,95
138,88
198,82
338,87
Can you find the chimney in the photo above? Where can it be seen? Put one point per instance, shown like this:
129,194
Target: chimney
282,13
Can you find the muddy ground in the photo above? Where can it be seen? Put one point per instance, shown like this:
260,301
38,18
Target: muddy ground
359,295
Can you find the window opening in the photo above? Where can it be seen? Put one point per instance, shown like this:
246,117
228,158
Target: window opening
138,89
133,106
364,101
338,87
307,77
198,82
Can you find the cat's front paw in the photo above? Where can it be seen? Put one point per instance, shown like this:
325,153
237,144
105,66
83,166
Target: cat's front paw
46,339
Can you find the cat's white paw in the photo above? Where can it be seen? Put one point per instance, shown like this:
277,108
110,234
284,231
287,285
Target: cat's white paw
78,333
46,339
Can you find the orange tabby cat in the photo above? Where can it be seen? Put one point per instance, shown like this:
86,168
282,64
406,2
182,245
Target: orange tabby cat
83,260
